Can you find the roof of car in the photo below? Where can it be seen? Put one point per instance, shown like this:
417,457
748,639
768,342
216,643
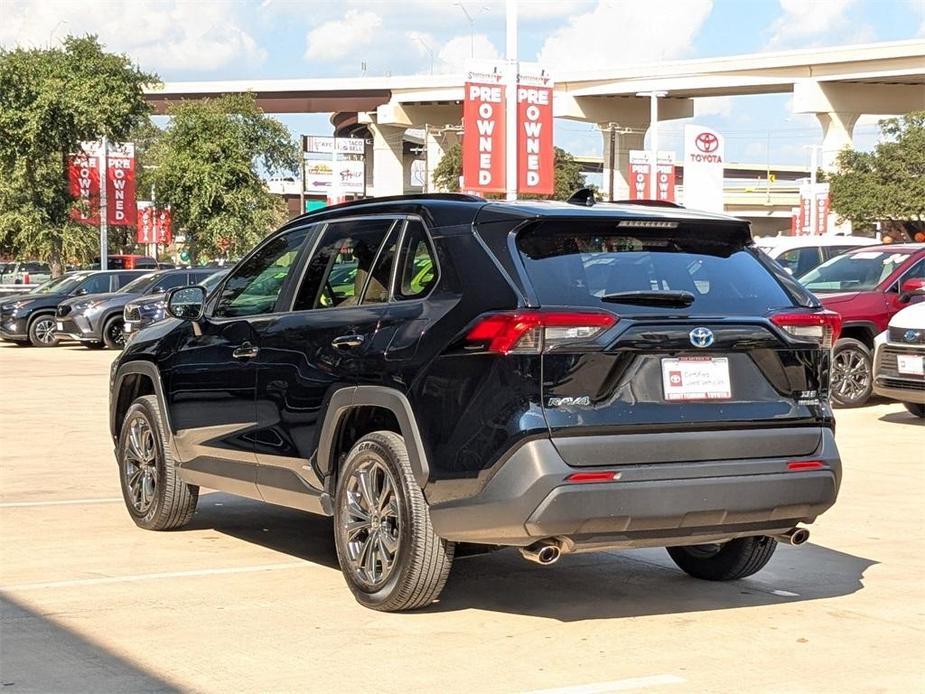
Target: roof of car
800,241
894,247
448,209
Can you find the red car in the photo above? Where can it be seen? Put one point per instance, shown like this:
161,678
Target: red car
866,286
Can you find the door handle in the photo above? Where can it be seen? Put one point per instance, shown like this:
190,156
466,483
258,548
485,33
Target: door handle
245,351
347,341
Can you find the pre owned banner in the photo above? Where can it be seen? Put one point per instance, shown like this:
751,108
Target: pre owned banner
821,200
153,224
84,180
483,139
640,173
535,153
120,185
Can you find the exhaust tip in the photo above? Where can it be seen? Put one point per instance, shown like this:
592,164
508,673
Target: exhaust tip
799,536
543,553
548,554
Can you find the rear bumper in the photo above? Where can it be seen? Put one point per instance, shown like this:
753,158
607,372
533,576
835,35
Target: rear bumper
649,505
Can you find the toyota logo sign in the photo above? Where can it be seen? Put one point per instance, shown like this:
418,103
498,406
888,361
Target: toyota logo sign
707,142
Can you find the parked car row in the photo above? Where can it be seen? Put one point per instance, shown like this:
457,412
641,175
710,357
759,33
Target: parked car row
87,305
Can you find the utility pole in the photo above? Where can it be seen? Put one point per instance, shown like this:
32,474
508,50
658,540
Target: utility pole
612,159
304,141
471,28
104,205
813,163
510,116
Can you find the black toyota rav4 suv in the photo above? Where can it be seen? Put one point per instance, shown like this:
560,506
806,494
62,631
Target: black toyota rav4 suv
553,377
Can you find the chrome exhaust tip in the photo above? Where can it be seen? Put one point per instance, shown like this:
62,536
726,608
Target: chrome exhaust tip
794,536
543,553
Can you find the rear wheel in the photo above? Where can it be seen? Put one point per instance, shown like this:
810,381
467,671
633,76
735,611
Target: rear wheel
727,561
42,332
390,556
852,379
114,333
915,408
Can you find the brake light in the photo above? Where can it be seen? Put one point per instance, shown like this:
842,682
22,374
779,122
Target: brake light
588,477
531,332
26,279
822,326
797,465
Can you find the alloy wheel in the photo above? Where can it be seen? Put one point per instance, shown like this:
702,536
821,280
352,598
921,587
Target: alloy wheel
117,333
371,527
850,375
140,464
45,331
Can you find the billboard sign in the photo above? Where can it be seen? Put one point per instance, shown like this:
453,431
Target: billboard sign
704,157
483,128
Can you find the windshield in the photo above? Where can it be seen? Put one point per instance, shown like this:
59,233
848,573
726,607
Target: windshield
647,272
61,285
142,284
855,272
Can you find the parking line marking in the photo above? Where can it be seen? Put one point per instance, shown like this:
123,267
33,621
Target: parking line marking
156,576
614,685
64,502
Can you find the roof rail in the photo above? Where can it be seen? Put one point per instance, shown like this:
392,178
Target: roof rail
648,203
459,197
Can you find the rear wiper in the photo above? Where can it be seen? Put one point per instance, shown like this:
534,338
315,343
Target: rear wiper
650,298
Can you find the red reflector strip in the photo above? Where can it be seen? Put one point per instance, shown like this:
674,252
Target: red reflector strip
805,465
586,477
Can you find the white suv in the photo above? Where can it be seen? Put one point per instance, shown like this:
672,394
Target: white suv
800,254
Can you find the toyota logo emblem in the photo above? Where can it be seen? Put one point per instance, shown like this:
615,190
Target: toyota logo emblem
707,142
701,337
911,335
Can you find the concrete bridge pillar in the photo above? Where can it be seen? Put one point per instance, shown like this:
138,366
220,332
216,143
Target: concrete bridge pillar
388,159
436,143
837,134
618,165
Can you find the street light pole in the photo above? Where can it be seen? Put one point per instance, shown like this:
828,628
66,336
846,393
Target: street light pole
510,115
104,205
653,140
813,163
471,28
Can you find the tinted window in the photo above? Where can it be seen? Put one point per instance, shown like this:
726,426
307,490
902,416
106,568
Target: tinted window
139,284
115,263
859,271
917,271
169,281
339,268
123,279
95,284
255,284
417,268
40,268
833,251
579,267
800,260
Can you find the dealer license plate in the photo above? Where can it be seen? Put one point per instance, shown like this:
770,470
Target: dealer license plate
911,364
696,378
60,326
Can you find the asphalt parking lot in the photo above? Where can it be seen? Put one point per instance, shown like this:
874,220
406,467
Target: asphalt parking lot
249,598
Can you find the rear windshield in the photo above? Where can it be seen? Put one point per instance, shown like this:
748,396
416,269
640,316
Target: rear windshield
575,267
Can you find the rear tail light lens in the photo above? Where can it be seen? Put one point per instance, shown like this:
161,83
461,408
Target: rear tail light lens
821,326
591,477
532,332
798,465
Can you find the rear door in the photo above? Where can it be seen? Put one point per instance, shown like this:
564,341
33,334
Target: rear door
692,349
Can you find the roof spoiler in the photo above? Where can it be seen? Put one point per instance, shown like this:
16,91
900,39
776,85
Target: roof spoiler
583,197
649,203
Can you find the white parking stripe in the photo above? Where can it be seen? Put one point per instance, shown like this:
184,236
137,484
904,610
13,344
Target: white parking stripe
65,502
614,685
154,577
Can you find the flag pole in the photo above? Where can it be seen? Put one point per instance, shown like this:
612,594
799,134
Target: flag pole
104,205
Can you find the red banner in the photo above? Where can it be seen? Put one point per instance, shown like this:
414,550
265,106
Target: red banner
822,211
153,225
664,182
535,154
120,185
163,225
483,139
640,173
84,179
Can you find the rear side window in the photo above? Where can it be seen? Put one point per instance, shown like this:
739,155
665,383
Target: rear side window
417,269
123,278
177,279
588,264
800,260
96,284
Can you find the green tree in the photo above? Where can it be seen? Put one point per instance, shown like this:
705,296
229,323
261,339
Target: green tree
885,185
52,99
208,164
568,176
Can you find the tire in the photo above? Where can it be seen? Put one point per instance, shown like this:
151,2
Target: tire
852,373
735,559
420,562
42,331
915,408
113,333
170,504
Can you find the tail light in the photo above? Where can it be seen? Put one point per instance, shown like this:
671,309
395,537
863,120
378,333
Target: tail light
532,332
800,465
26,279
822,326
592,477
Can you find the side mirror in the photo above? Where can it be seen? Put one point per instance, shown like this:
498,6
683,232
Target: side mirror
912,287
80,292
186,303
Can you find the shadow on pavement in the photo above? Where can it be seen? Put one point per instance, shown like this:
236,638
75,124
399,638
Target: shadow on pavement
903,418
302,535
602,585
38,655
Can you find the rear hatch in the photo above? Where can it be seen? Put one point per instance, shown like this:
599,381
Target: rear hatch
692,349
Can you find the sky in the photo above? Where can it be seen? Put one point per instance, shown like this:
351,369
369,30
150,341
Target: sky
226,39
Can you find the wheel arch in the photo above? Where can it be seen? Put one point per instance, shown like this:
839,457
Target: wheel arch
355,399
863,331
132,380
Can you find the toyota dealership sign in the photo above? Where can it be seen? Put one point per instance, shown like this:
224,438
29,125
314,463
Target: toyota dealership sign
704,156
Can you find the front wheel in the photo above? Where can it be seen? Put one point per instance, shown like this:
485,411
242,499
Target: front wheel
852,373
915,408
42,332
728,561
114,333
386,546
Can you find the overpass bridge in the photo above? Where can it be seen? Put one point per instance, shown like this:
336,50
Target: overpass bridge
837,85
